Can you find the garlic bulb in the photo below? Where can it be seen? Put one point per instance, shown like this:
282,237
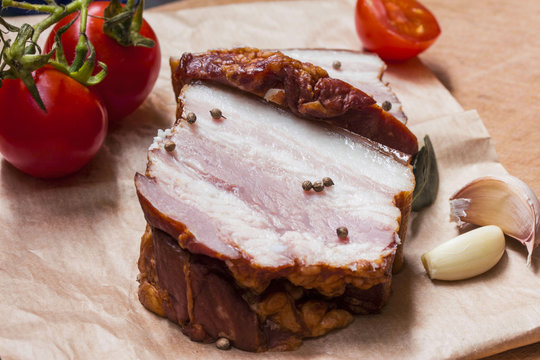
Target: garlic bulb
466,255
505,201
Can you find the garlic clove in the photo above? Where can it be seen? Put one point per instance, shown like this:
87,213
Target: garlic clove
466,255
505,201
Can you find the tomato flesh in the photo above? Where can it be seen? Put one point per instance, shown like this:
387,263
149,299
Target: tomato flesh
132,70
395,29
59,141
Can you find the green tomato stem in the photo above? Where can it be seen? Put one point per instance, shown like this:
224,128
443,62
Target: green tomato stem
130,4
84,15
22,56
81,50
58,12
136,23
27,6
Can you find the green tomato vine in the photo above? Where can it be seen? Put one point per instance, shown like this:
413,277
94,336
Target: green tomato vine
21,56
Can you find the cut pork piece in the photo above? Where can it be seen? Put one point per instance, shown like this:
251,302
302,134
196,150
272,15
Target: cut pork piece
235,246
303,88
362,70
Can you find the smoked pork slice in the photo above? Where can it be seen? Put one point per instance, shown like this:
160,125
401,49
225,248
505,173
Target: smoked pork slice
360,69
303,88
236,248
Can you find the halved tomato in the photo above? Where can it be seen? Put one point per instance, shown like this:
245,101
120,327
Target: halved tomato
395,29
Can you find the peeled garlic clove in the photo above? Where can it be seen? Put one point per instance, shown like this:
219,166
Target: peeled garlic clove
505,201
466,255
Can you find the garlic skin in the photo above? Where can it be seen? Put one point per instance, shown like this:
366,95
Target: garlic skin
505,201
467,255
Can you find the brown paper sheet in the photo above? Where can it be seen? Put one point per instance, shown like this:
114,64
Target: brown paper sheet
69,247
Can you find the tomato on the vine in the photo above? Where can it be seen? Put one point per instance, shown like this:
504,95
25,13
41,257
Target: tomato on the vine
53,143
132,70
395,29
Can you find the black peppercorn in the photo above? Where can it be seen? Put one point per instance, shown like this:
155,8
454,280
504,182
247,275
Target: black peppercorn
327,181
191,117
216,114
342,232
386,105
307,185
318,186
170,146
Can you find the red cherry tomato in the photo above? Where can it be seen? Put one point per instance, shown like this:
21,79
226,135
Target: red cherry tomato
132,71
395,29
53,143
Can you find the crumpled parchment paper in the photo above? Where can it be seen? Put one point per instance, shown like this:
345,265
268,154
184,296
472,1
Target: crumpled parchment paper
69,247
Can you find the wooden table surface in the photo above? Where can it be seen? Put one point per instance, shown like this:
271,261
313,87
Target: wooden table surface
488,57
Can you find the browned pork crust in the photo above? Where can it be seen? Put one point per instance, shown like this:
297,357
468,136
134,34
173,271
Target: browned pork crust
200,294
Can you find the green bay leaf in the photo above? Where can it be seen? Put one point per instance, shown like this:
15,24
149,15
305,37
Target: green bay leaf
426,176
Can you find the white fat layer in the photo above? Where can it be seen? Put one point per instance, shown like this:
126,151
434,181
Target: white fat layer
246,171
363,72
160,138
